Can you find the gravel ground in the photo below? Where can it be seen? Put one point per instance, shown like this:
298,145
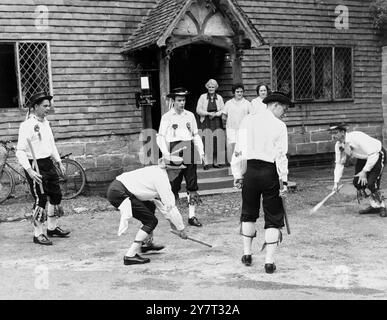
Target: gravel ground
332,254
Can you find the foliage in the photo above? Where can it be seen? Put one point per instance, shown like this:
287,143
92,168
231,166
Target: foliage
379,13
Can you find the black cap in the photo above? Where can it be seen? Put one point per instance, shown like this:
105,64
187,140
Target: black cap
338,126
38,97
278,96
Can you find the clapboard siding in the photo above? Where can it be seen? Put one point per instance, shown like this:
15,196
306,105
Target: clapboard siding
92,83
304,22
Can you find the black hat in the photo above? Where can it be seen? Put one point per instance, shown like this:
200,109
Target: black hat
278,96
338,126
38,97
181,92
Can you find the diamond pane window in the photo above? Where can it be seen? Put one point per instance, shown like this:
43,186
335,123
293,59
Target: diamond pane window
323,73
303,87
33,68
313,73
343,73
282,71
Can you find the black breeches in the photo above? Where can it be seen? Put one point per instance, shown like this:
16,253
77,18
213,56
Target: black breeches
143,211
261,179
50,182
374,175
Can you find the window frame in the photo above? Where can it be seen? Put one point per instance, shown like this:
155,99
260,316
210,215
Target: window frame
16,44
313,75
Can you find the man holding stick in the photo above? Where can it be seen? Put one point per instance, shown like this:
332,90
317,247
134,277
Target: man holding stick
258,163
178,128
370,161
137,194
36,151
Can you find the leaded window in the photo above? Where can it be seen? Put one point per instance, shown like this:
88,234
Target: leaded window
313,73
24,71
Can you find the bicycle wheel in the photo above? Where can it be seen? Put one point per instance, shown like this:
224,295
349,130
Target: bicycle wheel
74,180
7,184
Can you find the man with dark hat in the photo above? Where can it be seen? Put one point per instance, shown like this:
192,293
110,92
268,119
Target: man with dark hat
36,130
370,161
258,163
137,194
178,128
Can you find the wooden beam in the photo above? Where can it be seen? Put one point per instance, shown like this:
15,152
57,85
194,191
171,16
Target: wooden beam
236,65
164,80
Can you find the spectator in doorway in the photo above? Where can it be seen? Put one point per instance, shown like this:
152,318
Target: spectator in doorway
234,111
209,107
257,106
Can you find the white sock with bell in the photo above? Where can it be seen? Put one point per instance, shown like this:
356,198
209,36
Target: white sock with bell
271,235
52,220
191,210
136,245
248,229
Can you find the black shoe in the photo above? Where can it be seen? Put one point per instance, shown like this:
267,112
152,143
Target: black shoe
216,166
270,267
58,232
42,239
246,259
151,247
194,222
135,260
206,167
383,213
370,210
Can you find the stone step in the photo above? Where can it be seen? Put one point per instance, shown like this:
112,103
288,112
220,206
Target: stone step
212,172
213,183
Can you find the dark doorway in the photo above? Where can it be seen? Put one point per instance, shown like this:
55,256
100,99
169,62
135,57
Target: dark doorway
192,66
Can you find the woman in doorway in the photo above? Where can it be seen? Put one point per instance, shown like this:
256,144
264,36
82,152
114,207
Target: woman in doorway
209,108
257,106
234,111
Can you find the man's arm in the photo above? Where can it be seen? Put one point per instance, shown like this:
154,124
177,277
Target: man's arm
160,137
238,160
340,158
281,156
196,138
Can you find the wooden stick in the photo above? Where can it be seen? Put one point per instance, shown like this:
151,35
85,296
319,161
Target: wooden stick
285,212
321,203
192,239
35,164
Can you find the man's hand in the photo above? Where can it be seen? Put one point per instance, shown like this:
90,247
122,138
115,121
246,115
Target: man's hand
238,183
284,192
335,187
202,157
35,176
362,178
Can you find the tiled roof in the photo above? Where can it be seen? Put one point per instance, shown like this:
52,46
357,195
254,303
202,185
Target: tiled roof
155,24
160,18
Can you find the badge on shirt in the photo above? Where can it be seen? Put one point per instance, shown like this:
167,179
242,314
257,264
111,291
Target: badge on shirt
37,130
188,126
174,126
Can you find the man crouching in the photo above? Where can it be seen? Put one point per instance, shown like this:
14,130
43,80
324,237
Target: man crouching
137,194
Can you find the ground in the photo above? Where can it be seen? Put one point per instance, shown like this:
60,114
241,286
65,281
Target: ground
334,253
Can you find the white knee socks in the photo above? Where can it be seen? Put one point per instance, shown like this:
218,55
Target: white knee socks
135,247
52,220
271,235
248,229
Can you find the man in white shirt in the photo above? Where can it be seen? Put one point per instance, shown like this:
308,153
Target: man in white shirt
37,130
178,129
370,161
234,111
137,194
258,163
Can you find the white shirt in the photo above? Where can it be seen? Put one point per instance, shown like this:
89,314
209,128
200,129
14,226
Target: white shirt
359,145
42,140
149,184
257,106
235,111
178,127
262,137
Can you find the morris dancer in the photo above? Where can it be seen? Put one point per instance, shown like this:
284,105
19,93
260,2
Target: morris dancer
37,129
370,161
178,128
258,162
136,194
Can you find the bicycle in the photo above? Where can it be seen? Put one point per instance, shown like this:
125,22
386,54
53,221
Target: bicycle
72,182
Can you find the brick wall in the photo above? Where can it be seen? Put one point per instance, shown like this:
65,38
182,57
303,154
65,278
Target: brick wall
310,140
384,92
